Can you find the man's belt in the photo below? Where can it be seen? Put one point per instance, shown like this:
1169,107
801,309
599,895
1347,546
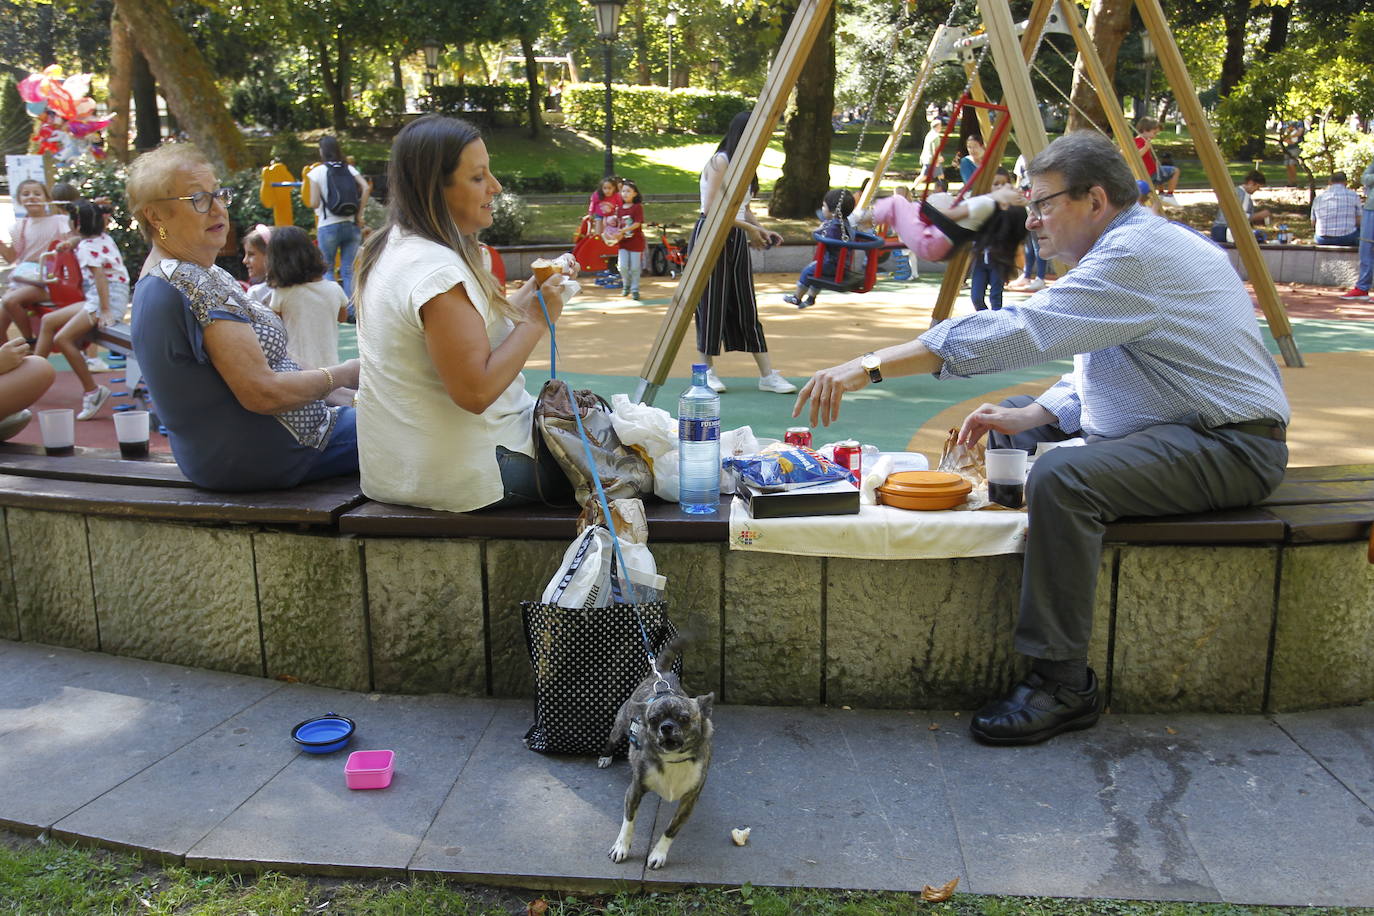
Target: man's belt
1264,428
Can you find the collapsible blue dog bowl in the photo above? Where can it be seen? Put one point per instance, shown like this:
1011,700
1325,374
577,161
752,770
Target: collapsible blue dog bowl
324,734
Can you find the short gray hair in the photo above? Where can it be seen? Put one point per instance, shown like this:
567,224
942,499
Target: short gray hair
1086,159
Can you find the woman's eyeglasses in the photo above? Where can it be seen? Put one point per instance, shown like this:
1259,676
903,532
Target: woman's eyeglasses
1036,207
201,201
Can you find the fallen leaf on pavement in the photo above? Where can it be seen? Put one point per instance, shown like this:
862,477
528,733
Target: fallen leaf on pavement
936,894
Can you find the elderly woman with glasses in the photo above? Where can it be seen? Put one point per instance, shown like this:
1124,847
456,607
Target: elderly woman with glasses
239,413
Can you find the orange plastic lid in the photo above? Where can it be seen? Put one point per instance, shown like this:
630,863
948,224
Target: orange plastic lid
924,490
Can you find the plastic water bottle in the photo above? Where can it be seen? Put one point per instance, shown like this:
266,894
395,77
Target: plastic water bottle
698,439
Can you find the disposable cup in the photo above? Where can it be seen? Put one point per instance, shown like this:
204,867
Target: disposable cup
131,429
59,430
1006,465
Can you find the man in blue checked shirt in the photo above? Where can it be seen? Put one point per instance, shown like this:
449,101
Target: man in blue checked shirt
1181,405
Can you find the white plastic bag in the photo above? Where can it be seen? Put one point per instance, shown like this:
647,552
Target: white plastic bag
653,430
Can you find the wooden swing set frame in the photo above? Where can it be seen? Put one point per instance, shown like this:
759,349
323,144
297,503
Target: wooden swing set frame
1013,67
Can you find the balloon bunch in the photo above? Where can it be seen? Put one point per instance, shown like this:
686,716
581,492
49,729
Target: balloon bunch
63,109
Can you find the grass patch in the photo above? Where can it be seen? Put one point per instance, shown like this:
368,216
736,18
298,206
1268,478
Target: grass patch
52,878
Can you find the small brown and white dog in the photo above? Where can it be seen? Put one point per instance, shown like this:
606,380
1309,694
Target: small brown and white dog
670,750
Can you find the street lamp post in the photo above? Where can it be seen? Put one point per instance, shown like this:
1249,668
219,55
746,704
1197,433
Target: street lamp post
715,72
1147,51
607,26
431,47
669,21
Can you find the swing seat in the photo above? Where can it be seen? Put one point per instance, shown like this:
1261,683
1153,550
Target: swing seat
843,280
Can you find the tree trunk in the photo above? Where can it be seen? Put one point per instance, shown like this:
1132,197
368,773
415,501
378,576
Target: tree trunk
122,53
341,76
806,143
143,90
396,79
332,84
186,81
1279,19
1236,17
44,43
535,100
1108,23
643,75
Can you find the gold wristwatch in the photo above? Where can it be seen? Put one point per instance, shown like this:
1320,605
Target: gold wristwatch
873,365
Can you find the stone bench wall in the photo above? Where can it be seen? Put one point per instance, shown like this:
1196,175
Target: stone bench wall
1178,628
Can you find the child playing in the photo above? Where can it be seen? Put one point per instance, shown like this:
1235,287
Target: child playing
30,236
604,201
255,262
994,251
629,233
105,282
919,231
836,206
1165,177
310,306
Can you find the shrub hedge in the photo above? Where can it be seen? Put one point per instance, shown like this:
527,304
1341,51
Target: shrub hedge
478,104
652,109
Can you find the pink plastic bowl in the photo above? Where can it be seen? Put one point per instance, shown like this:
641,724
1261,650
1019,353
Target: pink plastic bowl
369,769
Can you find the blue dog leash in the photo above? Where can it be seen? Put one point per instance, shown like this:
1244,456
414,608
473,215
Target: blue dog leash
596,478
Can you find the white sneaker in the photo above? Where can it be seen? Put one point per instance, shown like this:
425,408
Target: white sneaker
714,383
1035,285
1168,199
92,401
96,364
774,381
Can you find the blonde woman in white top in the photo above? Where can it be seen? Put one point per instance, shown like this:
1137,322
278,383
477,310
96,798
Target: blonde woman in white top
444,419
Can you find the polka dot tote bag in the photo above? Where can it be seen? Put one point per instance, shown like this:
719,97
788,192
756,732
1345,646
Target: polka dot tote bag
587,662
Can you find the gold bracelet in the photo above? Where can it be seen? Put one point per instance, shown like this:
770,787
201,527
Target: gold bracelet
328,377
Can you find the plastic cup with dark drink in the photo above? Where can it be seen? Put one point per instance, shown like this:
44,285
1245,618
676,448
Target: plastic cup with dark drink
1006,469
59,430
131,429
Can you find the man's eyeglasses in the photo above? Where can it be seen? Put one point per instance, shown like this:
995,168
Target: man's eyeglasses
201,201
1036,208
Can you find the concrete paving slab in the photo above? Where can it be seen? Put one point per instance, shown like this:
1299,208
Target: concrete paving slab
835,798
81,723
516,817
1079,816
1269,822
305,819
1342,740
173,804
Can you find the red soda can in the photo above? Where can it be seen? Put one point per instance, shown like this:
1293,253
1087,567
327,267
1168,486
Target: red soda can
850,454
798,435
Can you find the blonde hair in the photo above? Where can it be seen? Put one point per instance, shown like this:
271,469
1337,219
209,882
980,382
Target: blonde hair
153,176
423,156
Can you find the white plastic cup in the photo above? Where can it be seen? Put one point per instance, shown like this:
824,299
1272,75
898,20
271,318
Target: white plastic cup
59,430
1006,468
131,429
1006,465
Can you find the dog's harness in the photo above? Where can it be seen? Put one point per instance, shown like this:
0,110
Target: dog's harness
661,689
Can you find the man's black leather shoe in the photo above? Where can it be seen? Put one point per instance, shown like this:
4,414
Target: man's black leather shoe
1036,709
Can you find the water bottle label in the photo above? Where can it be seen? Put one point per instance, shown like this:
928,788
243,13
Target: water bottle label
703,430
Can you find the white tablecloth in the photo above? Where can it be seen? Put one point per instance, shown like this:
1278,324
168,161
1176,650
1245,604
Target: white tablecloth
882,533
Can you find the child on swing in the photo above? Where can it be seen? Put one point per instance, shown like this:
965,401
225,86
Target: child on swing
994,251
836,206
929,234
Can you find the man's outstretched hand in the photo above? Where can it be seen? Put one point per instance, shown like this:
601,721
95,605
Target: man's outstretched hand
1009,420
826,388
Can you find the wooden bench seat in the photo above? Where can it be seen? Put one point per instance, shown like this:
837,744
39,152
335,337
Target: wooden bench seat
666,522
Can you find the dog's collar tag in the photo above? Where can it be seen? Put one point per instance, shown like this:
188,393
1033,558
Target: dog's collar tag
635,728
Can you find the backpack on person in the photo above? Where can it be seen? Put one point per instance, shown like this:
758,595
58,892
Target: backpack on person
341,195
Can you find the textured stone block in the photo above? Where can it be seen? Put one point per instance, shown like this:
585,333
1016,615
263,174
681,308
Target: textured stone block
1325,632
310,598
9,610
1336,268
516,571
52,578
933,634
772,629
177,593
1298,265
424,602
1192,628
694,603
